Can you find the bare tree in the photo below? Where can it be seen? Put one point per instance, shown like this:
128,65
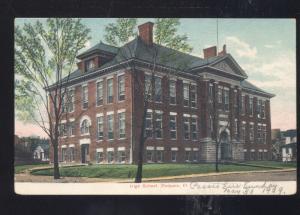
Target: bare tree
44,58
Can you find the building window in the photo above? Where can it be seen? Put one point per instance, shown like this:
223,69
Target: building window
263,113
264,132
159,156
195,156
226,99
121,156
110,124
148,87
260,155
99,157
243,105
188,156
158,124
84,127
110,90
150,156
251,106
194,128
158,90
252,155
70,100
121,87
243,131
173,133
210,124
85,101
149,125
89,65
62,130
173,156
71,128
236,128
210,93
251,132
220,95
186,128
99,93
258,108
186,94
72,153
193,94
259,135
265,156
63,102
100,128
121,125
172,92
236,106
110,157
64,154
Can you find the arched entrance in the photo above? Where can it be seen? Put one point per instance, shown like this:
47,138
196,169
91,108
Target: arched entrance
225,146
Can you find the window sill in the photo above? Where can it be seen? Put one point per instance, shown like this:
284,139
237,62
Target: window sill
99,141
124,138
85,134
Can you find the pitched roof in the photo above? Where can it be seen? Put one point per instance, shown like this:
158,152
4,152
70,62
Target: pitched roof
99,47
290,133
247,85
167,57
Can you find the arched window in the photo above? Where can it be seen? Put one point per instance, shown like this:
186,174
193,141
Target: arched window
84,127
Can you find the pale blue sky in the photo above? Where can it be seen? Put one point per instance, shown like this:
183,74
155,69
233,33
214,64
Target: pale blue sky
264,48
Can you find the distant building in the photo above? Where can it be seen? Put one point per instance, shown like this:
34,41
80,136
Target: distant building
290,136
31,150
40,154
289,152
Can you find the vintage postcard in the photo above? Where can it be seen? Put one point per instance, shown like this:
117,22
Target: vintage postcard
155,106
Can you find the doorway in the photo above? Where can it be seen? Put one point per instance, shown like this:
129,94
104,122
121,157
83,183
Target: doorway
225,146
84,153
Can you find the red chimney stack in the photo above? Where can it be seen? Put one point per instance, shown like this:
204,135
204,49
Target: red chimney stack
210,52
146,32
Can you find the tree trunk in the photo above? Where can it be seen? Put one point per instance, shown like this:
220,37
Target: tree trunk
139,172
217,156
56,167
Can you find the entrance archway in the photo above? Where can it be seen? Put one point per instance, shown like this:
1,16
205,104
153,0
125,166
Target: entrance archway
225,146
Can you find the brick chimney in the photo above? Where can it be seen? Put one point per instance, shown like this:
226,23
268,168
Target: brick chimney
146,32
210,52
223,52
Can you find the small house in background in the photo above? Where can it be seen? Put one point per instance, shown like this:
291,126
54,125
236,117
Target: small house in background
290,136
30,150
289,152
41,154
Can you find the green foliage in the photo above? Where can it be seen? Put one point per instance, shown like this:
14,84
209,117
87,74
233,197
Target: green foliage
165,33
44,54
120,32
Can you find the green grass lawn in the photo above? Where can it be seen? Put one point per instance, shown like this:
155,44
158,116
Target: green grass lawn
22,168
149,170
273,164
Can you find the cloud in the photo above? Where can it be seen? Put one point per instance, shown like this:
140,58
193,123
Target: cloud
269,46
281,70
87,44
277,76
241,48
